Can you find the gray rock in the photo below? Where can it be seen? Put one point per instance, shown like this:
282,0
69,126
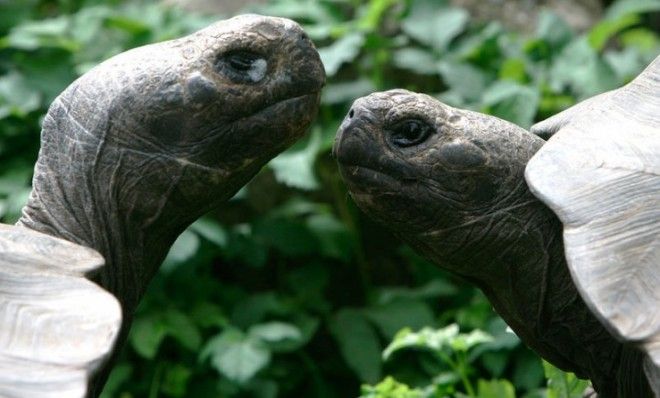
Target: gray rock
132,153
576,273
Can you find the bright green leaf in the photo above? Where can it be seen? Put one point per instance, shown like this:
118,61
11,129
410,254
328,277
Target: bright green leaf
146,335
341,51
358,343
236,356
295,167
495,389
435,26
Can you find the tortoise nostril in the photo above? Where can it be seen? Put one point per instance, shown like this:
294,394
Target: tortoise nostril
303,36
351,113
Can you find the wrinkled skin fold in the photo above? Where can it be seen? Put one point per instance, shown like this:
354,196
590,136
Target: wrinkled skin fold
450,183
145,143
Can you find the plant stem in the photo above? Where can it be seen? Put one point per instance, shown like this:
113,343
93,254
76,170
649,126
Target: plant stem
155,381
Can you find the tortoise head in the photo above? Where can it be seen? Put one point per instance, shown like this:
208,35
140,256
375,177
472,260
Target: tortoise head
146,142
184,123
432,173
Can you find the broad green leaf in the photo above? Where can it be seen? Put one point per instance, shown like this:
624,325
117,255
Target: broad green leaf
626,63
495,389
288,236
335,240
119,375
435,26
512,101
211,230
341,51
397,314
358,343
415,60
641,39
183,249
336,93
513,69
552,29
579,67
295,167
146,335
16,96
236,356
426,338
175,380
51,32
182,328
603,31
623,7
463,78
562,384
528,370
434,288
464,342
390,388
273,332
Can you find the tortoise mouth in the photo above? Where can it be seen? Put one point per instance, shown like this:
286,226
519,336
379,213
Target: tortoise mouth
365,179
284,122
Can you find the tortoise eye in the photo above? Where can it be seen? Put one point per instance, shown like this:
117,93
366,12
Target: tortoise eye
241,61
242,66
410,132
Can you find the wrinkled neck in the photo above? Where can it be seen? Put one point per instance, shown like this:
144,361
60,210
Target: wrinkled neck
91,214
88,191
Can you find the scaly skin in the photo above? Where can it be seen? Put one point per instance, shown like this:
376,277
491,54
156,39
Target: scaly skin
453,187
145,143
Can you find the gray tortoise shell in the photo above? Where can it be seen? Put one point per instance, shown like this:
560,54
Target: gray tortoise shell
600,173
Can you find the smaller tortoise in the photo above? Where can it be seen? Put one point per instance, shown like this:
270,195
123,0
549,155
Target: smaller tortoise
132,153
576,274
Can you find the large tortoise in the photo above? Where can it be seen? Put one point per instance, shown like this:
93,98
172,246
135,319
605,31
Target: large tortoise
132,153
562,237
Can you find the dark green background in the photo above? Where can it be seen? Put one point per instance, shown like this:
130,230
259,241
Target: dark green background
288,291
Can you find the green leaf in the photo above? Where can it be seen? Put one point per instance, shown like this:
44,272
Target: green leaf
426,338
464,342
397,314
552,29
463,79
183,249
236,356
512,101
434,26
434,288
358,343
16,96
211,230
579,67
181,327
273,332
50,32
495,389
390,388
175,380
415,60
146,335
334,238
341,51
562,384
528,371
603,31
624,7
295,167
336,93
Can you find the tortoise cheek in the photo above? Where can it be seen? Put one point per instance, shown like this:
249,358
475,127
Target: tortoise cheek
461,155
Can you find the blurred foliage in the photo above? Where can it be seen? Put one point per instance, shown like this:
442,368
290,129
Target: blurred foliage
287,290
